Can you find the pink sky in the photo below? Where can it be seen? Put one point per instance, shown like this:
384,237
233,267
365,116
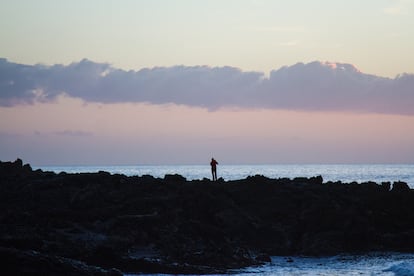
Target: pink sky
70,131
177,82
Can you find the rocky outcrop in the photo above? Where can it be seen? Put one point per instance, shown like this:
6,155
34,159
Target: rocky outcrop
99,223
30,262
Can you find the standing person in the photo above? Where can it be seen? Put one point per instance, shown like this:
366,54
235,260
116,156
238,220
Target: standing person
213,165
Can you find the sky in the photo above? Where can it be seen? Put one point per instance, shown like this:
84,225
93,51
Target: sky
180,81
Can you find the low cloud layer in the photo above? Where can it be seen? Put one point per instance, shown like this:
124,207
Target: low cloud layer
313,86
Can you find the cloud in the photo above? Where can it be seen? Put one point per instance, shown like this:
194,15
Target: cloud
280,29
74,133
289,43
395,10
399,7
311,86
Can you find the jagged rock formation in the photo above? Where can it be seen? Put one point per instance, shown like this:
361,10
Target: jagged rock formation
102,224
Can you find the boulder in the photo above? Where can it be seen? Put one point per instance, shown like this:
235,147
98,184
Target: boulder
400,186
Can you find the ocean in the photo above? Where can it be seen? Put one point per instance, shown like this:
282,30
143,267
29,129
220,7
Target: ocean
345,173
372,264
383,264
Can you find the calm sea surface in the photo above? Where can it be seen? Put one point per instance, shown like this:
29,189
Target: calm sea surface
345,173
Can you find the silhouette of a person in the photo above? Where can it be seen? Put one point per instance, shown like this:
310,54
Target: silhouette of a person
213,165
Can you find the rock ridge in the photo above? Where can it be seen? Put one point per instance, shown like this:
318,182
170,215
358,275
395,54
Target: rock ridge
109,224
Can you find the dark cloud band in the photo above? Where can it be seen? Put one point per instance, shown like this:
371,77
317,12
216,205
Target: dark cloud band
312,86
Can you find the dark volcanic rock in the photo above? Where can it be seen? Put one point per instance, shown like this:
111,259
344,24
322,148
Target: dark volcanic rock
400,186
16,262
98,223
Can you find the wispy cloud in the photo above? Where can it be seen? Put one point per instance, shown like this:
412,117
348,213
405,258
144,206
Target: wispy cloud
280,29
398,7
73,133
289,43
312,86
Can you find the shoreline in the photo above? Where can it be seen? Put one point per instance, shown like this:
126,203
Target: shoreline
114,224
345,173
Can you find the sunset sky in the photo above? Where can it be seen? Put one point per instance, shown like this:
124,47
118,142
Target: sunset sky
179,81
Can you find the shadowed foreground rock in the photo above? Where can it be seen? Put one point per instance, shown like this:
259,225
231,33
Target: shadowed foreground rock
103,224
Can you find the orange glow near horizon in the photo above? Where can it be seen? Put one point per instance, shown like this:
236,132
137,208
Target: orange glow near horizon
70,131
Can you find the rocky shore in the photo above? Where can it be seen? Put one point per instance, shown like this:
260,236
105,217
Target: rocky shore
104,224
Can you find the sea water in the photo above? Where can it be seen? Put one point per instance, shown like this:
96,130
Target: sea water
383,264
372,264
345,173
